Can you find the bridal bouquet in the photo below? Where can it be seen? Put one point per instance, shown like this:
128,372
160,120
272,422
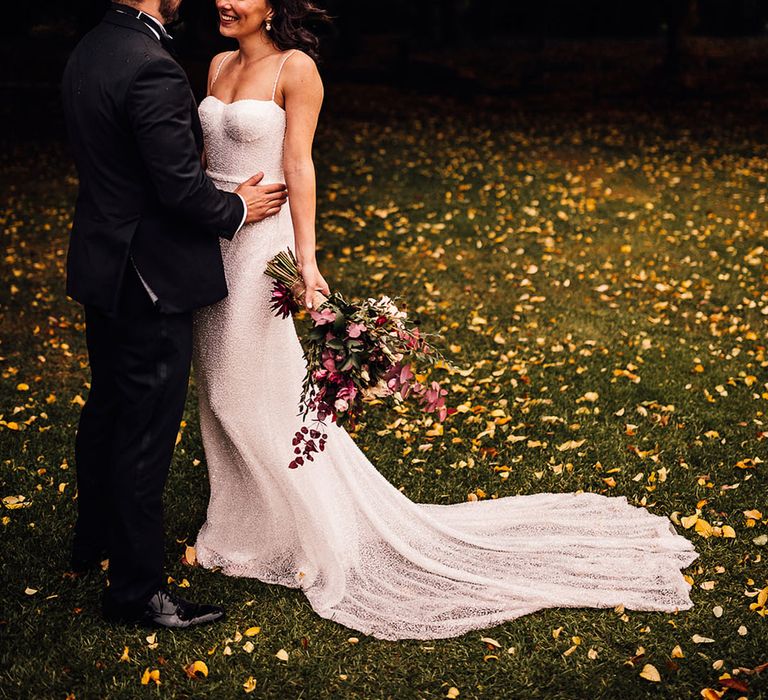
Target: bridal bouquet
355,351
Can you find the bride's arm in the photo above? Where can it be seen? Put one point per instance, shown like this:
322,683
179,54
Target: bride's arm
302,90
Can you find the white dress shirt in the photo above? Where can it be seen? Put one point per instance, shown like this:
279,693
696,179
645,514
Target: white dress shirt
157,28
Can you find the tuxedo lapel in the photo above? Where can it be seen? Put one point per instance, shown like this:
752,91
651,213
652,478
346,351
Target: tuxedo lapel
122,19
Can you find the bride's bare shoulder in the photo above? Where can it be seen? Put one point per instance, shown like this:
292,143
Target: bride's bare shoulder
300,71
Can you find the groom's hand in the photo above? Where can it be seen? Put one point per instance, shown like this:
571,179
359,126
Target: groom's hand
262,200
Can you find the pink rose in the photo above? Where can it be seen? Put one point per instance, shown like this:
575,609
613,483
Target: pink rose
348,393
321,317
355,329
327,360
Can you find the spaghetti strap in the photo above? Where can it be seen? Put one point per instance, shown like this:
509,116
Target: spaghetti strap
280,70
221,65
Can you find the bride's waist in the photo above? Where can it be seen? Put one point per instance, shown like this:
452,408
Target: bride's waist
230,181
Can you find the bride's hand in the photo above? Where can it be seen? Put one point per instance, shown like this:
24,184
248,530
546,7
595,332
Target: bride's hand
313,283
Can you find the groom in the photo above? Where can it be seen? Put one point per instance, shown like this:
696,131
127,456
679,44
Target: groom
143,254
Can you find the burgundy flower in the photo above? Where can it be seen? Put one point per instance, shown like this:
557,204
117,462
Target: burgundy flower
283,302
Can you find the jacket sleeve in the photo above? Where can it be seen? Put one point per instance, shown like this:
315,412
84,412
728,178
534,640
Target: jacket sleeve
158,109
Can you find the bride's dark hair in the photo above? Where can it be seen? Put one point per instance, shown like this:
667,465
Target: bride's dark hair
289,25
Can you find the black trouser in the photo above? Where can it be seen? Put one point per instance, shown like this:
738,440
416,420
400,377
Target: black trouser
140,363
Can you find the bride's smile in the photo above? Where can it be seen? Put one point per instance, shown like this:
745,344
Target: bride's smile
239,18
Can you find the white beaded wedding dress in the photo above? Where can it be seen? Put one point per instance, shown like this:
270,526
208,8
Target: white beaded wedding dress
362,552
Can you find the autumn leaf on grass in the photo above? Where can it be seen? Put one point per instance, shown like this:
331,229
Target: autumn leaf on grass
250,684
197,669
734,684
650,673
570,445
492,643
710,694
759,606
153,675
190,556
14,502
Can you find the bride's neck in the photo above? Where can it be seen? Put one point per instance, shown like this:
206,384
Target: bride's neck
254,47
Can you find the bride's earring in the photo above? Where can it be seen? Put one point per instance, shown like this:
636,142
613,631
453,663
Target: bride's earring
268,25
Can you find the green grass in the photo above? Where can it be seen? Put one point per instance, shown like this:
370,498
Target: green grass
591,248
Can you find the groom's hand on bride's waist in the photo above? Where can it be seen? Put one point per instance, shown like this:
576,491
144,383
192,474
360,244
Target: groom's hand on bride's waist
261,201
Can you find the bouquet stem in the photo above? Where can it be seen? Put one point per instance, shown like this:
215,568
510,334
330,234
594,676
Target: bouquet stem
285,269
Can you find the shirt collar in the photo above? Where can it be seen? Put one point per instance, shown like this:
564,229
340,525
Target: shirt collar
152,23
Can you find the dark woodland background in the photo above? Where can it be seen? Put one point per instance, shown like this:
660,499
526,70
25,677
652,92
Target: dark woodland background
551,54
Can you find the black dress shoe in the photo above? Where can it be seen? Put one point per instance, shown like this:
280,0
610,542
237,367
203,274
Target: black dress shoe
164,609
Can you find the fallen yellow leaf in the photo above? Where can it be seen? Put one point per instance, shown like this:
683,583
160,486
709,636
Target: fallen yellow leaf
710,694
197,669
153,675
650,673
190,556
703,528
688,521
492,642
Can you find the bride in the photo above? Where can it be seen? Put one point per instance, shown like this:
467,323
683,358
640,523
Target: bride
362,552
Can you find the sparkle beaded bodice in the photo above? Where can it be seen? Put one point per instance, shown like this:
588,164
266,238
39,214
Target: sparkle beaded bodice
243,138
363,553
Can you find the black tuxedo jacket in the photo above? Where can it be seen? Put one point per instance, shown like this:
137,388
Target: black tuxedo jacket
137,143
